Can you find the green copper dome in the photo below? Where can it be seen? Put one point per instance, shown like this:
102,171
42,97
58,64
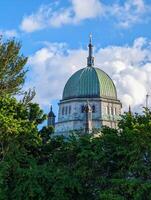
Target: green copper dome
89,82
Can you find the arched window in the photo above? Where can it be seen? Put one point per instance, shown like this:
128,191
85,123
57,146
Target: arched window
112,110
93,108
62,110
69,109
108,110
82,108
66,110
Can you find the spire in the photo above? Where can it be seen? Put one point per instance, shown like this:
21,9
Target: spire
129,110
147,97
90,58
51,113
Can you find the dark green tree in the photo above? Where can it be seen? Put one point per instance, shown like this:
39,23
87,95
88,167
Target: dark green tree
19,145
46,132
12,62
113,165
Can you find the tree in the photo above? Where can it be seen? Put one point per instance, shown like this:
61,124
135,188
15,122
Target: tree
114,165
28,96
19,143
128,159
12,62
46,133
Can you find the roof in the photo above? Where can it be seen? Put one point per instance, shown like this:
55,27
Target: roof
89,82
51,113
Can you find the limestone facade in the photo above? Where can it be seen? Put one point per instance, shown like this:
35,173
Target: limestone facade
71,116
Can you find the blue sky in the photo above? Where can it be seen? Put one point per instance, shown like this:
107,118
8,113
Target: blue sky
54,35
105,29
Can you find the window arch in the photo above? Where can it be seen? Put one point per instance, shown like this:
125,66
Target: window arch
69,109
93,108
82,109
66,110
62,110
107,110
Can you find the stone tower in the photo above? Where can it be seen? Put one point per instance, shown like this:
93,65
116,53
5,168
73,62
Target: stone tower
51,118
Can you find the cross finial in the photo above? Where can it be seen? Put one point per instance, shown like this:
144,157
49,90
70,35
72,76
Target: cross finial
90,38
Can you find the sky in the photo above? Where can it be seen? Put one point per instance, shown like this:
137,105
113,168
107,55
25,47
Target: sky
54,35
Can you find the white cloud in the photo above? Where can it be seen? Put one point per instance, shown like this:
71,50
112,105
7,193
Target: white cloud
58,19
36,21
77,12
9,33
132,12
125,15
87,9
49,15
128,66
50,67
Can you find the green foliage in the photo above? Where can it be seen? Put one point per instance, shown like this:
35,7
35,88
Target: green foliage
115,165
28,96
46,133
12,74
19,142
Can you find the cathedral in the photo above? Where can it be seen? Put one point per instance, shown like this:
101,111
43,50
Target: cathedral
89,101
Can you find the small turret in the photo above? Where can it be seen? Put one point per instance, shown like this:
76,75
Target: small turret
51,118
88,119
